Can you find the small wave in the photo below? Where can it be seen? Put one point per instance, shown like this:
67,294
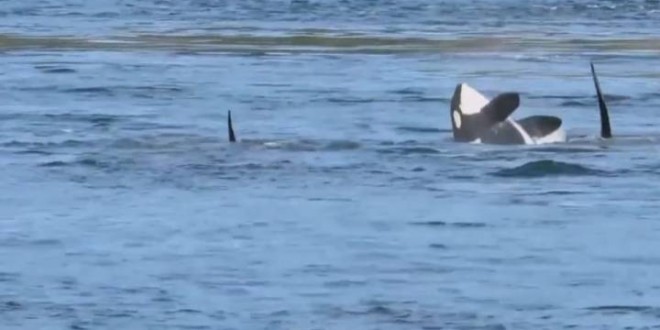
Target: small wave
407,313
250,166
616,98
626,309
330,199
532,58
10,306
408,91
636,260
33,152
349,100
8,277
415,95
54,69
544,168
576,104
438,223
188,311
410,151
302,144
469,224
554,97
564,149
566,98
56,163
650,96
91,90
341,145
430,223
47,242
107,14
164,91
90,162
421,99
462,177
418,129
100,119
559,193
344,283
372,308
36,147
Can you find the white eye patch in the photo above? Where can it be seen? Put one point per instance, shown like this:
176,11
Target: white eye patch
457,119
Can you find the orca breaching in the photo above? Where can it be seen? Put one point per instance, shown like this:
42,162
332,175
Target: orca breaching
475,119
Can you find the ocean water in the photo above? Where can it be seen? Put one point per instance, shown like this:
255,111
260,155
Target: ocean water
345,204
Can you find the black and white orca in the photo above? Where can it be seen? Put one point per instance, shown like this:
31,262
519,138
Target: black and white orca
476,119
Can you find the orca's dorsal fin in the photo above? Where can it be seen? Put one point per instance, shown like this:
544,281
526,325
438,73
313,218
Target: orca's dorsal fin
605,128
230,128
501,107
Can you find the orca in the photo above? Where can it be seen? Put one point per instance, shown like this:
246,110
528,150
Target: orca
476,119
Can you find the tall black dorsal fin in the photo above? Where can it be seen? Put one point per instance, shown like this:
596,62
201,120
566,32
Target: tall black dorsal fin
232,136
501,107
605,129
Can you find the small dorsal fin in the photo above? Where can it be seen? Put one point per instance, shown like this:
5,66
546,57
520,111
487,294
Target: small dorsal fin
232,136
605,129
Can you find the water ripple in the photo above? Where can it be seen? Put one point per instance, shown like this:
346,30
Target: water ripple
543,168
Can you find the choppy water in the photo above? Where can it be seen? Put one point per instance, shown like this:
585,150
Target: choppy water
346,205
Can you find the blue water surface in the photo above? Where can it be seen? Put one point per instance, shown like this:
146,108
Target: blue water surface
345,204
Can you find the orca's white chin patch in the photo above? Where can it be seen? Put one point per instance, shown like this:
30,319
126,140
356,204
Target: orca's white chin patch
558,136
525,136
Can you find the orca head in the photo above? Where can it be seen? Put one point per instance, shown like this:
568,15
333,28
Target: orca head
473,115
465,107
